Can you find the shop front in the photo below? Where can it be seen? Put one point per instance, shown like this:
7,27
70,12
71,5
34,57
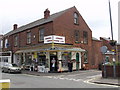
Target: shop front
48,59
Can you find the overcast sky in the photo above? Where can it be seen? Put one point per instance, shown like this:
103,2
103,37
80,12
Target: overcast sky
94,12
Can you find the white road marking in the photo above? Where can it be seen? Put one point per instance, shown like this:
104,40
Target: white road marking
94,76
61,78
88,81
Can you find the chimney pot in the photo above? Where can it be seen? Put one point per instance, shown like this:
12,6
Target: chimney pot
15,26
46,13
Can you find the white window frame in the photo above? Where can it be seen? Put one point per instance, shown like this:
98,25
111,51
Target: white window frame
1,44
75,18
16,41
28,37
41,34
6,42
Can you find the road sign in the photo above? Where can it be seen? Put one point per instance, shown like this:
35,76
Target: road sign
103,49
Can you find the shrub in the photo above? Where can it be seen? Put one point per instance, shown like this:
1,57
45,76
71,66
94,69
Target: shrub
117,63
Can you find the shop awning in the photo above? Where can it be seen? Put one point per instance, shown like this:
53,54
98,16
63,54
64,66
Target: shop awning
52,49
66,49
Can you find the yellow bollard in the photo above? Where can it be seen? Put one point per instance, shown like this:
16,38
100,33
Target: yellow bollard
5,84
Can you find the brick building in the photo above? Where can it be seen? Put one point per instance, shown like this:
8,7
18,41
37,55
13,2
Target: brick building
112,52
27,42
1,42
118,51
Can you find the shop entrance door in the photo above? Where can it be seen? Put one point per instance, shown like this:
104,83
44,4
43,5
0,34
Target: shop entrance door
77,61
52,56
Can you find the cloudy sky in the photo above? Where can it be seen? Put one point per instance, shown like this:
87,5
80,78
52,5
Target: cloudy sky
94,12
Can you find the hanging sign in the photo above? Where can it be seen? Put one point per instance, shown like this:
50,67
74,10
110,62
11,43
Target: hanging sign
54,39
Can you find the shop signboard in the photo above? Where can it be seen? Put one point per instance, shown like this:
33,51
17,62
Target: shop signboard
54,39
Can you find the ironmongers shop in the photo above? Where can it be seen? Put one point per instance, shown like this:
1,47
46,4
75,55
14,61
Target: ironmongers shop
49,59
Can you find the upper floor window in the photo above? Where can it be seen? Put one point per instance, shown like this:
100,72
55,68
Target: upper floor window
75,18
85,37
16,40
1,43
41,34
77,36
28,37
6,43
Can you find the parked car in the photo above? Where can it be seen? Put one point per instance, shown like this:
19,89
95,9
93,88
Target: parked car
25,67
11,68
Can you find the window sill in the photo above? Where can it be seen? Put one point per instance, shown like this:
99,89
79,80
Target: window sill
85,62
77,42
85,43
76,24
28,43
41,41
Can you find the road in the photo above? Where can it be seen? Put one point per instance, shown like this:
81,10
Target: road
65,80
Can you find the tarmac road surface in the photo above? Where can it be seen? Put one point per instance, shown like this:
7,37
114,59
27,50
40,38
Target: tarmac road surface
65,80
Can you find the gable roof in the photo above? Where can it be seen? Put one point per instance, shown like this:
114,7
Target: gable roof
37,22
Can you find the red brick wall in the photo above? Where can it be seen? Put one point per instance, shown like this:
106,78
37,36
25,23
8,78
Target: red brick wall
109,71
64,26
106,43
118,52
97,55
34,31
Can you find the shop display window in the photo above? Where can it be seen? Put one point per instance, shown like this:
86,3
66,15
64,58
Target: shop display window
65,57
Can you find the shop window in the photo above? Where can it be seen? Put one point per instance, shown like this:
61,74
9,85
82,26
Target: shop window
16,41
77,36
5,59
85,37
41,34
86,57
65,57
29,59
42,61
75,18
64,61
28,37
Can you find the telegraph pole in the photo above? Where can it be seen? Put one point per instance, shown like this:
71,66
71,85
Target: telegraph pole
110,20
112,43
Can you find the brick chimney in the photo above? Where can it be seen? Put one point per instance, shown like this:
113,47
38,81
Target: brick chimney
15,26
46,13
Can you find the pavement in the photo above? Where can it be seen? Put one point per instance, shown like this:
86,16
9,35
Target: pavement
97,79
108,81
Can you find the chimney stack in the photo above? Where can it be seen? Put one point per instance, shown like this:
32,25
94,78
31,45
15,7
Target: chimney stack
46,13
15,26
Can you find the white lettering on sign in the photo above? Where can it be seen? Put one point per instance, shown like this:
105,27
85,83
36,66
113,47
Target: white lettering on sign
54,39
